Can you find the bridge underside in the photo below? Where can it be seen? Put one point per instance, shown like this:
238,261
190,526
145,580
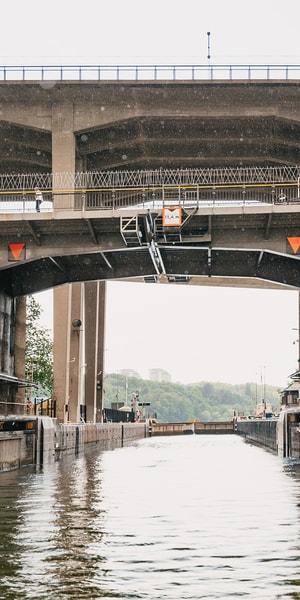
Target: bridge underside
121,125
150,142
58,127
179,264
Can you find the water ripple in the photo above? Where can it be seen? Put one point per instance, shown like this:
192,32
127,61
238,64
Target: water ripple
179,518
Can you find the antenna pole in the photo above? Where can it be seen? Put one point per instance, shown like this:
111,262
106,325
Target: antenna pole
208,45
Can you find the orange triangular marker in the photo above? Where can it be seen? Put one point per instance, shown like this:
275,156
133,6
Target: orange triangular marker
16,250
294,243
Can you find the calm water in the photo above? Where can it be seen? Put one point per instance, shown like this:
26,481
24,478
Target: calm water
177,518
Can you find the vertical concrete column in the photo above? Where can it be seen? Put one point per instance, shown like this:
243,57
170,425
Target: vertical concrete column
68,351
7,326
94,328
61,350
298,365
76,358
19,350
63,161
12,352
78,351
63,152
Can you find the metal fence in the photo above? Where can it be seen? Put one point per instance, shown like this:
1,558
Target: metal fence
153,198
151,189
148,72
24,183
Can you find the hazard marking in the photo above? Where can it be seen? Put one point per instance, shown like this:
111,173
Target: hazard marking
16,252
294,243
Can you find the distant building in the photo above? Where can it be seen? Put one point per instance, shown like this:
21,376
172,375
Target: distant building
159,375
290,396
130,373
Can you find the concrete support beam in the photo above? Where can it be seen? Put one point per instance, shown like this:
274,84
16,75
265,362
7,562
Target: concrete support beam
63,148
19,350
94,333
298,325
68,351
61,354
79,317
68,305
76,356
12,354
6,317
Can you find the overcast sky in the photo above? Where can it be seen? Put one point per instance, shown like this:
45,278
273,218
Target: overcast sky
137,31
199,333
196,333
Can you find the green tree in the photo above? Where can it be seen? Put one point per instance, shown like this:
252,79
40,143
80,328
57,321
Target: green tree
207,401
38,351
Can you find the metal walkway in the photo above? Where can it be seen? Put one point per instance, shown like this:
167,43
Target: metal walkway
150,189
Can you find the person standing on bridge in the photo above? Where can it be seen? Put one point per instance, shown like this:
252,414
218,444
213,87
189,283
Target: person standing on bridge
38,199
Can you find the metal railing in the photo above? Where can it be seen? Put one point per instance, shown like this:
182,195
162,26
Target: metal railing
153,198
148,72
153,189
145,179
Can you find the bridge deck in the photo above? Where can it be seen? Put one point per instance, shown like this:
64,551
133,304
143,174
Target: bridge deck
235,233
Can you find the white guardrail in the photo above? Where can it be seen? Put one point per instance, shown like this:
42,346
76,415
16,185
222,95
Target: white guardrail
148,72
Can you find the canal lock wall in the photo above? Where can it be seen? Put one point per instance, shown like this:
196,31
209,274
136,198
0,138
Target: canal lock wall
281,435
40,440
262,432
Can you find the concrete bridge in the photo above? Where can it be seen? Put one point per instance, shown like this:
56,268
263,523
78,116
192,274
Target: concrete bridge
177,181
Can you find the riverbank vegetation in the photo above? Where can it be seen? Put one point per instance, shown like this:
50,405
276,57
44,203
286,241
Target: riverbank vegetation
175,402
38,353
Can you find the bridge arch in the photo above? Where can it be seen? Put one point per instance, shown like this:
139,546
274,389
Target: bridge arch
93,233
182,264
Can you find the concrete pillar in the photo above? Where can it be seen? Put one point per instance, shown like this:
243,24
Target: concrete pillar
298,365
76,358
12,353
78,351
7,325
65,299
68,351
94,332
6,329
63,151
79,334
19,350
61,353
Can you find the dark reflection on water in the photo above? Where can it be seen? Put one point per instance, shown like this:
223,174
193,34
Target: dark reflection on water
178,518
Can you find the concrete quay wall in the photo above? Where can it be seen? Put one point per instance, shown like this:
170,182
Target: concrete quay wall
214,427
171,428
74,438
16,450
294,441
46,440
262,432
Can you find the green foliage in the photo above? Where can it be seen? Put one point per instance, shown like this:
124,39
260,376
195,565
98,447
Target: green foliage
38,351
174,402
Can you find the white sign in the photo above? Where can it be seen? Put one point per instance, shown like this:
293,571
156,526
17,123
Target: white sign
172,216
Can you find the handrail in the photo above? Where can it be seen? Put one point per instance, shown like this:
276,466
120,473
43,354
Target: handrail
146,72
150,178
153,198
